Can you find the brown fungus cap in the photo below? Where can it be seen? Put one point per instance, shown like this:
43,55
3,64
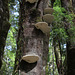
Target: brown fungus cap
48,10
43,26
48,18
31,1
31,58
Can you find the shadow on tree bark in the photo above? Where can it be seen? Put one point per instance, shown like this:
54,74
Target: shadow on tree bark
26,67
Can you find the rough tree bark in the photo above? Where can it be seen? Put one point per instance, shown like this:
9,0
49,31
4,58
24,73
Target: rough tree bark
30,39
4,26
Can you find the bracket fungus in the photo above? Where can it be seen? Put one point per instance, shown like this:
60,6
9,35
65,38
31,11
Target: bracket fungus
31,1
43,26
48,10
48,18
31,58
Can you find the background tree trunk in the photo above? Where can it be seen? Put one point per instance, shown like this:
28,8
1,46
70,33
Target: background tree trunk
58,57
4,26
69,6
57,51
30,39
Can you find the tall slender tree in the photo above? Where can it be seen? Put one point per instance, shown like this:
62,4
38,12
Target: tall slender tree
57,46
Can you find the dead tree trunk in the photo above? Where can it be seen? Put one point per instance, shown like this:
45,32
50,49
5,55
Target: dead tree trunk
4,26
31,40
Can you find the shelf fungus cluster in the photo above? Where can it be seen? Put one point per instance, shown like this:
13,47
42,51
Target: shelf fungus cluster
30,58
48,19
31,1
43,26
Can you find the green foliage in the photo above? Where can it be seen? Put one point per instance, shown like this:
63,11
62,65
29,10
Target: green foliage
69,18
57,3
9,55
58,13
71,31
58,30
59,34
60,21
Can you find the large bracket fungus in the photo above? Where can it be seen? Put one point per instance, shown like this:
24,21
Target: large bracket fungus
48,18
48,10
43,26
31,1
30,58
